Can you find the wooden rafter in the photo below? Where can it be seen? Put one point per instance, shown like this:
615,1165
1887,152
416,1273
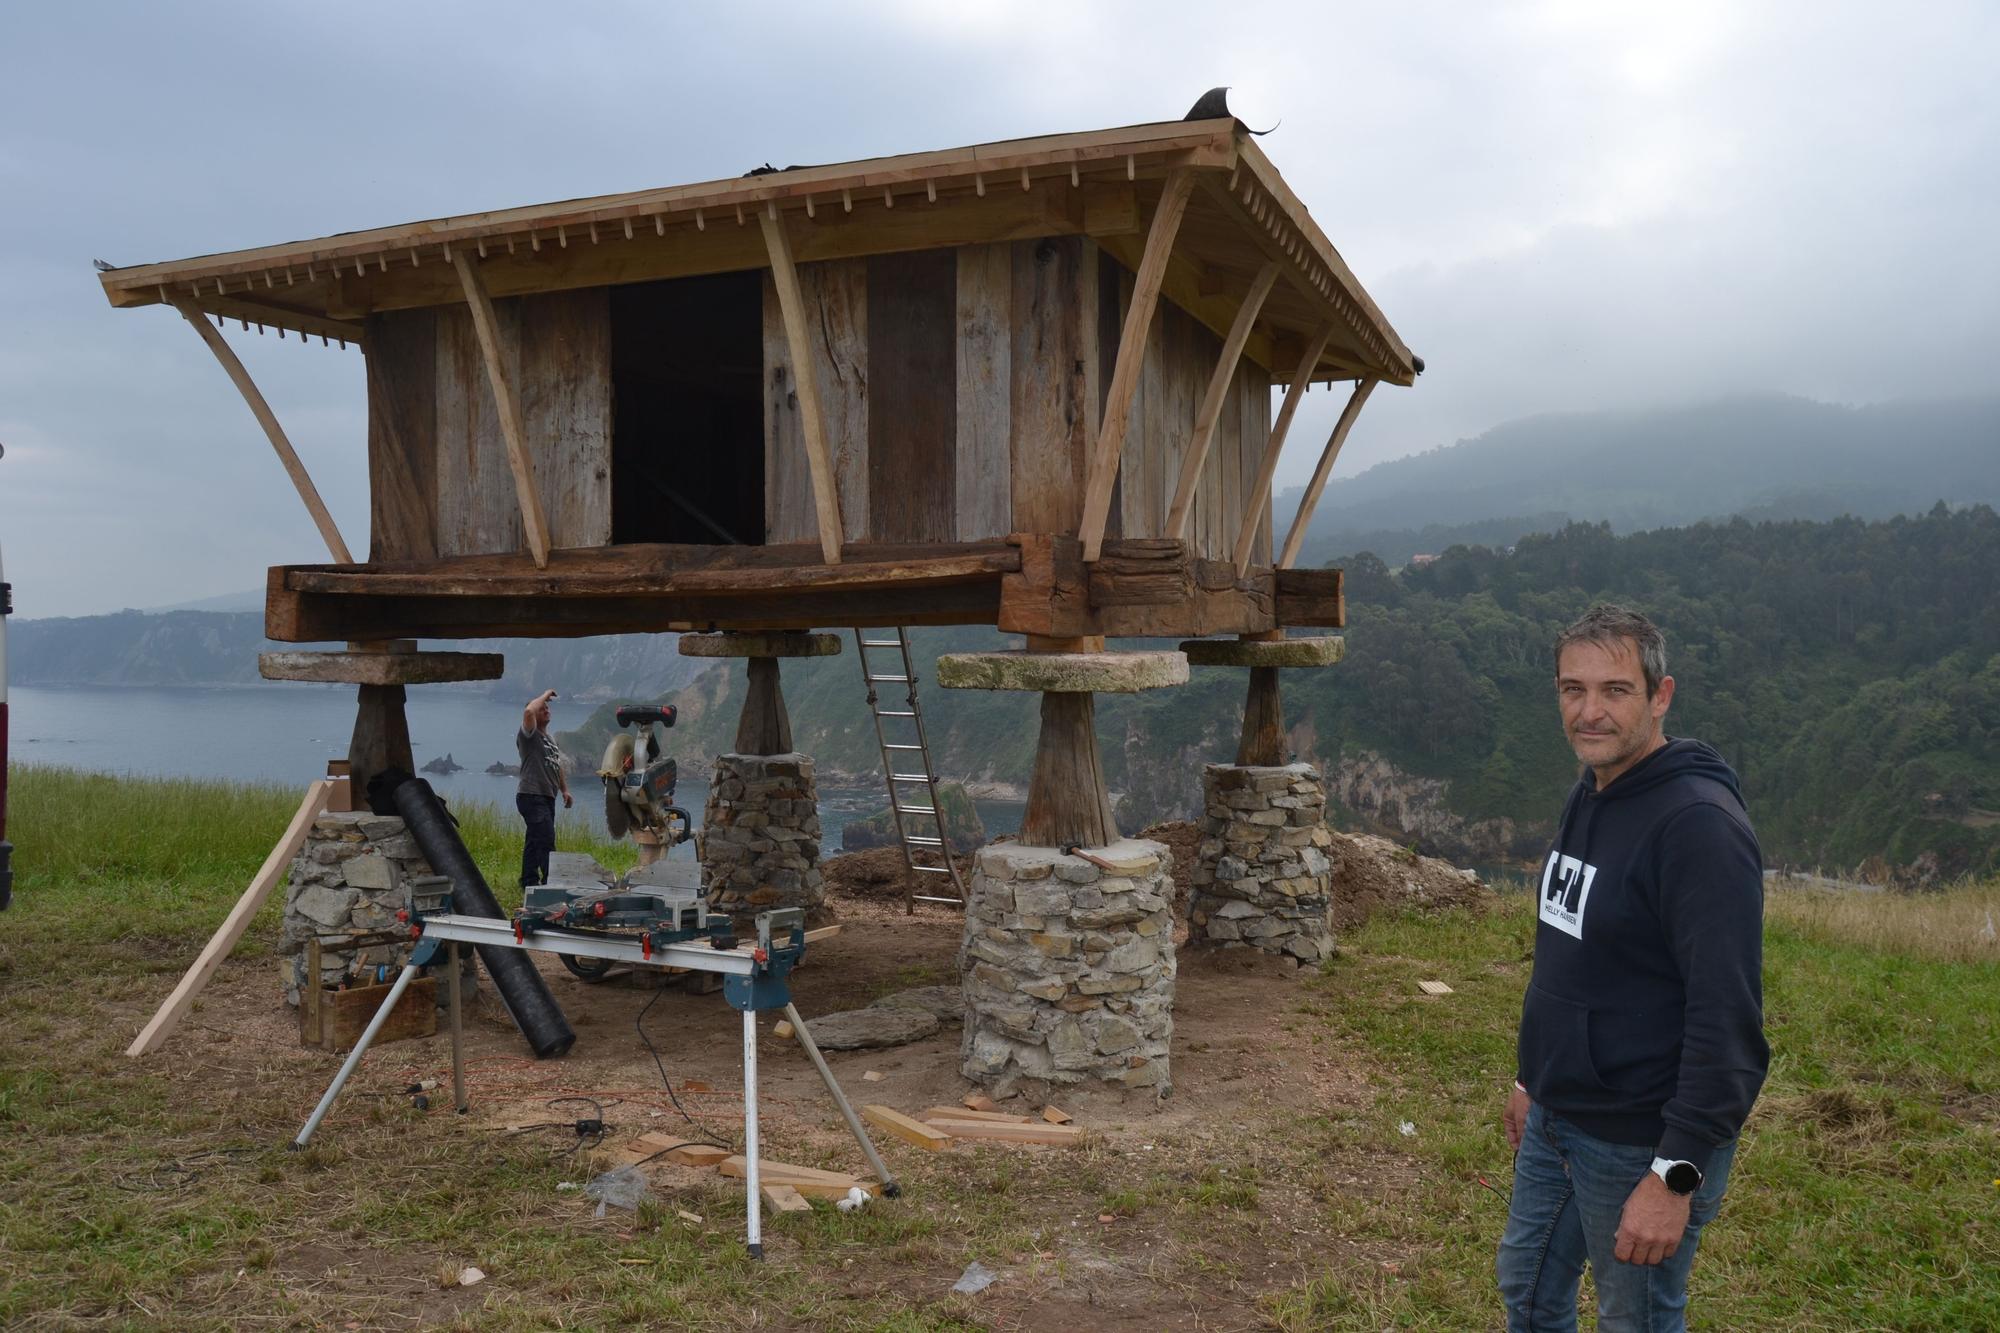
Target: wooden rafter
1103,456
487,325
1310,499
301,479
1260,495
1218,394
805,383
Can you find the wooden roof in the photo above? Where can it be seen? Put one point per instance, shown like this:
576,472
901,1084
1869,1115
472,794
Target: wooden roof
1102,184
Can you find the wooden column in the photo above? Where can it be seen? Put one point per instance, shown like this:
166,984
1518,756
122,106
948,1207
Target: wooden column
1263,741
1067,800
765,727
381,738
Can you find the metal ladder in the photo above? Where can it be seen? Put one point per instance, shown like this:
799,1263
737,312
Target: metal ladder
907,767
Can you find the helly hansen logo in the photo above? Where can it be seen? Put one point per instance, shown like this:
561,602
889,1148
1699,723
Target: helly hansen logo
1565,892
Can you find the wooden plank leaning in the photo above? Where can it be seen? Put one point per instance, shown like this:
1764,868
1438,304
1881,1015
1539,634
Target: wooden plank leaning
275,865
1213,401
534,519
1310,499
301,479
1259,499
1103,457
805,383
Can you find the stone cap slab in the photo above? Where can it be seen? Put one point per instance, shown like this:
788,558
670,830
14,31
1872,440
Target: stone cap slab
1127,856
1063,673
352,668
753,644
1319,651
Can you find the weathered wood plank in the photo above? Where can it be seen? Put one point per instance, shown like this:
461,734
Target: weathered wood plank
912,396
1312,597
982,491
1052,383
1258,502
1297,535
1067,801
805,386
477,512
836,296
500,355
1218,396
402,436
565,388
1110,438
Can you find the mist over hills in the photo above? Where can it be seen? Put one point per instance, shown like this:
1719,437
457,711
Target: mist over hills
1761,457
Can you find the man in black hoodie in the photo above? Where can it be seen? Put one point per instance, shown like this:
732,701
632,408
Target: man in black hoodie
1642,1043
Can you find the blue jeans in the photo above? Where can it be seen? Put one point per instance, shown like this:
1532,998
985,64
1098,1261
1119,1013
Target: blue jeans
1569,1193
540,814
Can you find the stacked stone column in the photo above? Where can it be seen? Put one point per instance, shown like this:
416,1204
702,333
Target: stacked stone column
1067,961
760,840
1264,880
354,874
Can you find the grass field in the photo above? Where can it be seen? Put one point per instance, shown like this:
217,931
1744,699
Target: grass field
150,1194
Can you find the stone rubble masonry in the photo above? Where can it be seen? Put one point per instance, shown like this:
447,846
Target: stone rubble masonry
351,878
760,836
1068,968
1264,879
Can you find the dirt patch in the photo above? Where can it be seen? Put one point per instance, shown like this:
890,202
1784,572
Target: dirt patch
879,874
1183,839
1373,874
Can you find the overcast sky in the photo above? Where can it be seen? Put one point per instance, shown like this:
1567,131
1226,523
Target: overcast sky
1560,206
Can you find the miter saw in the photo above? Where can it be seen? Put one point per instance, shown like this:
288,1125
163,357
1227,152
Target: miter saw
639,780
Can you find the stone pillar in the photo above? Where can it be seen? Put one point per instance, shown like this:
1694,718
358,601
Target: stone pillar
760,835
355,872
759,846
1264,879
1068,966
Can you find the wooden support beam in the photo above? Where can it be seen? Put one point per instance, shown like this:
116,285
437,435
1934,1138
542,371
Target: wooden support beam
1260,495
764,727
1103,456
805,383
1262,744
1067,800
301,480
1218,394
487,325
275,865
381,739
1296,537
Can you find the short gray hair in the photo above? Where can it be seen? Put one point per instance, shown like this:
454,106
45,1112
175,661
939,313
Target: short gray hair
1606,625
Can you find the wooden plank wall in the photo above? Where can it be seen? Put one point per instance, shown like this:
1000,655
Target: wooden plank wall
913,396
439,479
982,422
836,296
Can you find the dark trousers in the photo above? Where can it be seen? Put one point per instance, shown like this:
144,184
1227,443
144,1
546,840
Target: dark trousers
540,812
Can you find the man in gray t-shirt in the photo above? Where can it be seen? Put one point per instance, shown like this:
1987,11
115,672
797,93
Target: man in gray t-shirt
541,778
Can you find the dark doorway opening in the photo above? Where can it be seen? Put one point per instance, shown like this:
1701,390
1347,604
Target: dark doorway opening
687,449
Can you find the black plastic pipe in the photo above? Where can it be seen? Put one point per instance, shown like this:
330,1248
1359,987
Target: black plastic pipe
521,987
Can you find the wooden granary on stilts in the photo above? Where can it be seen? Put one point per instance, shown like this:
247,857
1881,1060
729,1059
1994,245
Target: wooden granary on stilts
1025,384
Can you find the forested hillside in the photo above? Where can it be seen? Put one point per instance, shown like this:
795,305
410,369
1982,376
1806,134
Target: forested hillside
1849,670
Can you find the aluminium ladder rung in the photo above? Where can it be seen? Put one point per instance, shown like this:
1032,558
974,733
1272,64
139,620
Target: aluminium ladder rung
888,680
884,712
909,777
917,809
893,746
881,643
914,844
922,841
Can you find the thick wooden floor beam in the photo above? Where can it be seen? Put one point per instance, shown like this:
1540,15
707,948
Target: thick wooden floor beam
1218,394
805,384
487,325
1110,442
1260,495
301,480
1310,499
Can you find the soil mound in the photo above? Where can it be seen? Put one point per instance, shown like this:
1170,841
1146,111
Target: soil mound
1373,874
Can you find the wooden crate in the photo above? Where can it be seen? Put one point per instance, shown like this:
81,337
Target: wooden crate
336,1021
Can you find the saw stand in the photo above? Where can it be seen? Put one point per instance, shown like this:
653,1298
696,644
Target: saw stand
754,978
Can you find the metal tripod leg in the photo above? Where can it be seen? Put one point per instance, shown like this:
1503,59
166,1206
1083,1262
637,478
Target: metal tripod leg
750,1180
804,1034
458,1102
354,1056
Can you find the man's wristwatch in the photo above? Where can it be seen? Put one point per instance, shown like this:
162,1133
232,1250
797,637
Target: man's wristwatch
1679,1177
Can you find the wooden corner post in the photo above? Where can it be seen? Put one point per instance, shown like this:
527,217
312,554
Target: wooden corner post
805,383
1103,456
486,325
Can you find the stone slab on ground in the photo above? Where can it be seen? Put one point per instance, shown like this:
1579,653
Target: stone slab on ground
944,1003
872,1028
